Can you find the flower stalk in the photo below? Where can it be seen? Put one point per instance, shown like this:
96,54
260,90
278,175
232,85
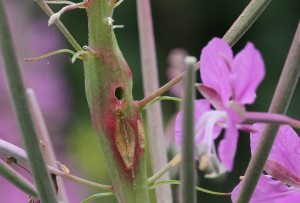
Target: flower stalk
280,102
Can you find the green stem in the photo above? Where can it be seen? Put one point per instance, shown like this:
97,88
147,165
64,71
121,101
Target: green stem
18,180
281,100
176,160
59,24
115,117
158,151
17,92
188,173
245,20
235,32
177,182
79,180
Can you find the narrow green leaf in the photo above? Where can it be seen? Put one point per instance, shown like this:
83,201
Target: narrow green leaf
177,182
96,196
160,99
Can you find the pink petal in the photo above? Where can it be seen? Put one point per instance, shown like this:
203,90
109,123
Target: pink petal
269,190
285,150
200,107
247,73
211,95
215,60
228,145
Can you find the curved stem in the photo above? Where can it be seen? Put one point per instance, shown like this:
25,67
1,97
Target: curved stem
51,54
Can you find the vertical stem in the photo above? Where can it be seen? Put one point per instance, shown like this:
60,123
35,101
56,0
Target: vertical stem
188,174
43,134
116,119
151,84
281,100
17,92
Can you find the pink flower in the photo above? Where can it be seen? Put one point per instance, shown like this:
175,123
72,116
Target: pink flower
282,184
228,84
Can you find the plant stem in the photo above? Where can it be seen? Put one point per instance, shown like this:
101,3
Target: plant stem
79,180
235,32
176,160
245,20
158,151
17,92
59,24
43,134
17,179
281,100
261,117
188,173
142,103
21,156
116,119
13,151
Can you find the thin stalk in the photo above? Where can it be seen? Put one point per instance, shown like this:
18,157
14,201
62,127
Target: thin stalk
18,95
43,134
261,117
188,173
142,103
151,83
59,24
17,179
245,20
21,156
176,160
280,102
235,32
79,180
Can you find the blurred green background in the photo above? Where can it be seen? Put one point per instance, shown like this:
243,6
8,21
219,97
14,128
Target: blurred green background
188,24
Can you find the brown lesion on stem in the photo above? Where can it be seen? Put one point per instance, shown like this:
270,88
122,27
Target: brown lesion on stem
125,141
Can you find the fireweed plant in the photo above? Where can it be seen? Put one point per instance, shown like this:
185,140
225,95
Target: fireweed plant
228,84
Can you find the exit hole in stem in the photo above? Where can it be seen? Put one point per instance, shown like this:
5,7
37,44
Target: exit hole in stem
119,93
